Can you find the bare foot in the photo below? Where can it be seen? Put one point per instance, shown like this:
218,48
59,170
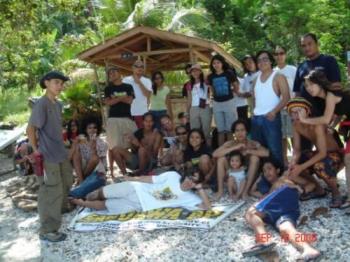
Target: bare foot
234,198
245,197
309,254
77,201
92,195
218,196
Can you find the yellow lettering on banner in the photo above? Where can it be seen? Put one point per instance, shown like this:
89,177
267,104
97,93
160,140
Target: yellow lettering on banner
212,213
140,216
97,218
157,213
196,214
173,214
126,216
204,214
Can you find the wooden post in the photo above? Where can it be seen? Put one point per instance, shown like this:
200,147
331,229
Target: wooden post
99,97
192,58
149,47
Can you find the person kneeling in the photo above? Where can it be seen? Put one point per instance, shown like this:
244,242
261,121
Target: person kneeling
149,192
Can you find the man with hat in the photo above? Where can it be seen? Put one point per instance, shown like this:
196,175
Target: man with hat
325,162
142,88
118,96
45,136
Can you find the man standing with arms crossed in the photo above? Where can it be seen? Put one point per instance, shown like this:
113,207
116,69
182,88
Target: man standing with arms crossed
142,88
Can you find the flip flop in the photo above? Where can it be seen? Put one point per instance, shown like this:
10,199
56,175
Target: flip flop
336,202
312,195
258,249
345,205
309,258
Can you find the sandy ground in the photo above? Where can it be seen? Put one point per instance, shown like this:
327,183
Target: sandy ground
19,239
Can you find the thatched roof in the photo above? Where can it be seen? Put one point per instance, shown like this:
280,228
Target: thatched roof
160,50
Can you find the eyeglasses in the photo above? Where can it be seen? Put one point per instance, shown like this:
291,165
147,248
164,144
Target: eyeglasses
181,133
279,53
92,127
263,59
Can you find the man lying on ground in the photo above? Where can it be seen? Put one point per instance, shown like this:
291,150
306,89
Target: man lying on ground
325,162
149,192
280,208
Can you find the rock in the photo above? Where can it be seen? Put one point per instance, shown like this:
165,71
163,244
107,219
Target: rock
27,205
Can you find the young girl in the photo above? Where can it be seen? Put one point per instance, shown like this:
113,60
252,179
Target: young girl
198,102
89,151
236,176
337,102
198,154
223,82
71,132
160,99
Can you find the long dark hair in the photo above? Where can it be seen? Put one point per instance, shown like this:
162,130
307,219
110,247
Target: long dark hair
200,132
69,129
154,85
319,77
201,80
91,120
225,65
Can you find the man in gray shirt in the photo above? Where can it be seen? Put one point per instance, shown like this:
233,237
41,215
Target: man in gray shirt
45,135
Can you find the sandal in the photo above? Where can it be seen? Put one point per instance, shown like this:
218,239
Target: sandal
345,205
310,258
336,202
312,195
259,249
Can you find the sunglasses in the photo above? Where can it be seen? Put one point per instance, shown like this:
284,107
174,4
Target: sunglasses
263,59
138,66
279,53
181,133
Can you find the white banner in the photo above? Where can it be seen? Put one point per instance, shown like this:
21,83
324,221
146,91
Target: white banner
91,220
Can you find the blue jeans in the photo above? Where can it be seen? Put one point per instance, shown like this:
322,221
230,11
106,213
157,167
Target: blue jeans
91,183
269,134
157,114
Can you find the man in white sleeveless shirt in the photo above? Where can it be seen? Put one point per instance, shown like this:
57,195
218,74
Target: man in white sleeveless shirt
271,94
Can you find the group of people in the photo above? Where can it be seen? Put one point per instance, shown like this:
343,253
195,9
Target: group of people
256,118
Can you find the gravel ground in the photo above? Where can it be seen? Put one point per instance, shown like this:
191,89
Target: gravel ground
19,239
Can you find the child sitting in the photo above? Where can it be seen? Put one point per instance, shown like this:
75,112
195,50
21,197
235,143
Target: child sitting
236,176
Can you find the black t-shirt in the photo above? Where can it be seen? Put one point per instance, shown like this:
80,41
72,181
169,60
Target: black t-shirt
120,109
193,156
222,85
328,65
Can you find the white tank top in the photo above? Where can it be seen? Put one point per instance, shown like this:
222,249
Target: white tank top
265,96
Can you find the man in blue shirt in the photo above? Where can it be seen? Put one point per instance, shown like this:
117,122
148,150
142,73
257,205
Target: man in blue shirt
314,60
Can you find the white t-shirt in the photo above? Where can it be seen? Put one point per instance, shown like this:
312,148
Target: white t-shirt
289,72
245,85
197,93
165,192
139,105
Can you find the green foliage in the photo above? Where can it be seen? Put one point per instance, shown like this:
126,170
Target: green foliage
37,36
79,99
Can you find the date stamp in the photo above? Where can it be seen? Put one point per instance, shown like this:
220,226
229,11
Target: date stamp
284,237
